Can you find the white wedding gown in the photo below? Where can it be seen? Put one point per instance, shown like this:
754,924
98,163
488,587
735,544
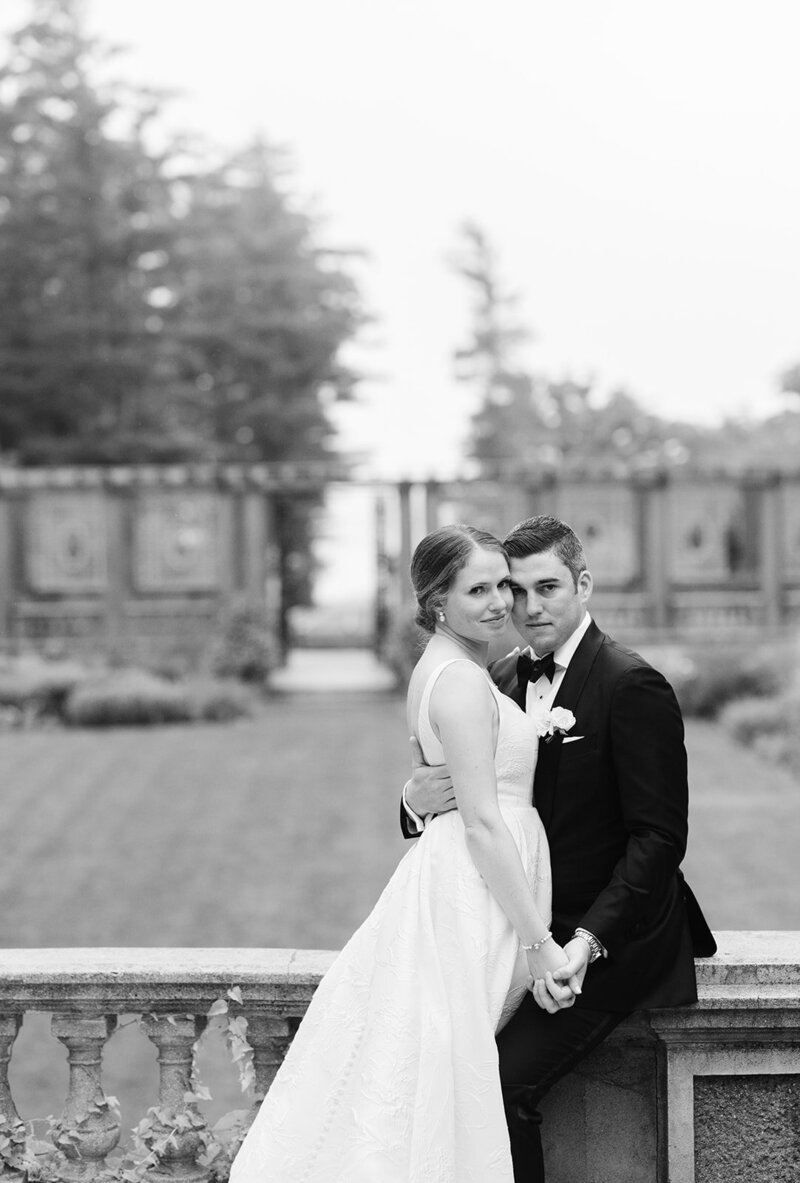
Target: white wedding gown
392,1076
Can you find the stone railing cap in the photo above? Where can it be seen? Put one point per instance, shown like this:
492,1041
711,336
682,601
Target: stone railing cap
752,958
156,978
755,965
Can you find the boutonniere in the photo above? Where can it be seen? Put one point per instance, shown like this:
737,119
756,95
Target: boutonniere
555,722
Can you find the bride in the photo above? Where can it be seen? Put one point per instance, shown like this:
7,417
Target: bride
392,1076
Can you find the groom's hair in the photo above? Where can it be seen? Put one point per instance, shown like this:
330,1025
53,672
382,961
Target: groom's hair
438,559
542,533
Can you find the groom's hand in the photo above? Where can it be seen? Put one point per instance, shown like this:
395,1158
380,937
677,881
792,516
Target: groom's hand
573,973
430,789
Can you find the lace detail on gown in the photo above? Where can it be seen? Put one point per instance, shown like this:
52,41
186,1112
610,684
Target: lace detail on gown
392,1075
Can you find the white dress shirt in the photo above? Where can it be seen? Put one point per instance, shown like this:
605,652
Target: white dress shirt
541,695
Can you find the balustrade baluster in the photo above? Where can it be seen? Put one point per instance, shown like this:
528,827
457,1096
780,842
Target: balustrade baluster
90,1129
9,1028
175,1037
269,1038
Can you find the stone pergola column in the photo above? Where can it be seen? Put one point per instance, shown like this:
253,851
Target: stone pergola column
770,557
655,555
90,1129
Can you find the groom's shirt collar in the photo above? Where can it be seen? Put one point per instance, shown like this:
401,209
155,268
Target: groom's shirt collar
565,653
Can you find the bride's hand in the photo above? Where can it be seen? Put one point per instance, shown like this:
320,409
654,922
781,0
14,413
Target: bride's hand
549,994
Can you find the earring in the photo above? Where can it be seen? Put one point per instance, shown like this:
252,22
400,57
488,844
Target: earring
441,617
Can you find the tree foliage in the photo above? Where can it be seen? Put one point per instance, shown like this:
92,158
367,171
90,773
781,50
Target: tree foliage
260,313
154,304
528,423
79,209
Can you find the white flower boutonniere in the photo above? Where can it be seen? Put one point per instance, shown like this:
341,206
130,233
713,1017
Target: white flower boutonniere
555,722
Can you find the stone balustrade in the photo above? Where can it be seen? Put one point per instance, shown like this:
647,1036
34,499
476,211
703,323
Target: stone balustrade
691,1095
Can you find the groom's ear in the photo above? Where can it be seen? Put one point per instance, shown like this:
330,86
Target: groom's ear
585,585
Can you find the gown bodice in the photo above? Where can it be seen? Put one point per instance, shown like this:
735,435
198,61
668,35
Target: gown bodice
517,741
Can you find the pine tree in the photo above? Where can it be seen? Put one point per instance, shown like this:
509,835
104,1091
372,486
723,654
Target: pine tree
262,313
509,427
84,224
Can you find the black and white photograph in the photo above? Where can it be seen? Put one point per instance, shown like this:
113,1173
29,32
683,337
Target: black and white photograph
399,592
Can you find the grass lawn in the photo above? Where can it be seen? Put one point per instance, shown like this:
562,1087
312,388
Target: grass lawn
281,830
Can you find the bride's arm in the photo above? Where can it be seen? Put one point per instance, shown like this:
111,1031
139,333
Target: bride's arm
463,711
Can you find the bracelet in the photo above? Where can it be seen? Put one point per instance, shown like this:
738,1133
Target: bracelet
536,944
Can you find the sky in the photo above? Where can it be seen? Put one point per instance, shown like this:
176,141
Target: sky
635,166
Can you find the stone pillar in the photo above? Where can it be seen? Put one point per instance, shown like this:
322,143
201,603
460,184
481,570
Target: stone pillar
9,1027
733,1066
89,1129
404,558
269,1038
432,498
382,577
7,567
655,542
229,560
255,541
175,1037
120,506
272,585
770,564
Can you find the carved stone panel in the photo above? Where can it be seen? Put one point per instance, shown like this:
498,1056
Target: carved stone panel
488,506
65,547
708,532
605,518
176,538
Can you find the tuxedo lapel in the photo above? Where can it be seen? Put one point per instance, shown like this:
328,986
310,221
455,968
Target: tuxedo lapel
504,674
578,670
545,781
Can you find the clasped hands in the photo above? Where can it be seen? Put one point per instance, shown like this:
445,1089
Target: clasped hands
558,979
557,972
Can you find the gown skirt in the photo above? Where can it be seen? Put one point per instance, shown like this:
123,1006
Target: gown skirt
392,1076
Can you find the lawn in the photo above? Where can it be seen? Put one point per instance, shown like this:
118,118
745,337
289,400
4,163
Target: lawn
281,830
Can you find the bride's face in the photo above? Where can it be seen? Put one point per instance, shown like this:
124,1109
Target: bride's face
479,601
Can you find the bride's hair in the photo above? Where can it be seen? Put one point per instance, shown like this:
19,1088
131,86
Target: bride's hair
438,559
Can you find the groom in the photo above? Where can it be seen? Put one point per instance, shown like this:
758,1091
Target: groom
613,797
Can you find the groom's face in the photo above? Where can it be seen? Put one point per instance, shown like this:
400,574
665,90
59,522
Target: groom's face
548,607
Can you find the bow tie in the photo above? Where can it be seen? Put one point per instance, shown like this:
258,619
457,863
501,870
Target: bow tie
530,669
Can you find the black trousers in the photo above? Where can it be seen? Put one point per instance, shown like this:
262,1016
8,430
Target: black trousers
537,1049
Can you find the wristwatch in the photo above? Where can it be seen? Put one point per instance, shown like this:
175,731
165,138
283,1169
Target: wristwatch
595,948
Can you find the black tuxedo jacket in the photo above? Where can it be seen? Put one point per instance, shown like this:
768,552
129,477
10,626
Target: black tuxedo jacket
614,804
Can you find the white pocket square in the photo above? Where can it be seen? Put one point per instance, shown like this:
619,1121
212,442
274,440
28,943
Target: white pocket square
572,738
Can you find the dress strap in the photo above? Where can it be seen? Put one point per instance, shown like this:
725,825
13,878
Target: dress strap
429,741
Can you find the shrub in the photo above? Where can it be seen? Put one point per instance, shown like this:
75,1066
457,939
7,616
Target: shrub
38,688
127,697
135,697
748,718
213,700
771,726
245,648
707,679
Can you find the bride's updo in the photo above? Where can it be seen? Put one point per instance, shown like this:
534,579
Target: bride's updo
437,560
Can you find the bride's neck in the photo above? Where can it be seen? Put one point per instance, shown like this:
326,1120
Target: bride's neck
447,642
